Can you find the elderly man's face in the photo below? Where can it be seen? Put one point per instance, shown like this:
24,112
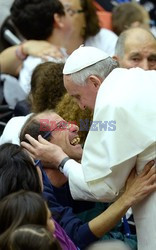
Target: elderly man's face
85,96
60,129
139,53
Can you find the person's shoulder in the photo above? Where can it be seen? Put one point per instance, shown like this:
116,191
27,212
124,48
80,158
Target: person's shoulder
105,40
107,32
12,129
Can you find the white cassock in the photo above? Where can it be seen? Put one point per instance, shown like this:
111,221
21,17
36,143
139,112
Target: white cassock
127,97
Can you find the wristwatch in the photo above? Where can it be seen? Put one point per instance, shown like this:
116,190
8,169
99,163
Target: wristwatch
61,166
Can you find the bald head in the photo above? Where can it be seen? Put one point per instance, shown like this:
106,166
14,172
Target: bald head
136,47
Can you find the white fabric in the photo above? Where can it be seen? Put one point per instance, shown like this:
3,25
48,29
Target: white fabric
104,40
12,130
128,97
12,91
28,67
83,57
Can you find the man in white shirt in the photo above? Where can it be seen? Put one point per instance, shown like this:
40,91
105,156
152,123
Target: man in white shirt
123,133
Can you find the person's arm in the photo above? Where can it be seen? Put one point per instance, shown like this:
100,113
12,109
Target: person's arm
137,188
84,234
11,59
105,189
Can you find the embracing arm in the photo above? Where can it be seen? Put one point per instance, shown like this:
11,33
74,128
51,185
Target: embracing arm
11,62
137,188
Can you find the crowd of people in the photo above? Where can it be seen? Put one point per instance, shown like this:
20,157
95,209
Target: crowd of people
77,157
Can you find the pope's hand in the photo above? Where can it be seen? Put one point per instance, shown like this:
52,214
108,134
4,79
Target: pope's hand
44,150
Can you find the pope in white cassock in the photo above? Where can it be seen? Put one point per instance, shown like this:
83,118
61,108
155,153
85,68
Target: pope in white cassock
122,135
127,98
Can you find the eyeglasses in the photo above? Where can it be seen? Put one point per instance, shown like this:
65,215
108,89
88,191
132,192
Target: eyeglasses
59,126
71,11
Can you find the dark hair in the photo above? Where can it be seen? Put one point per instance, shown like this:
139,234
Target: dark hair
32,237
35,18
92,22
17,171
33,127
47,86
18,209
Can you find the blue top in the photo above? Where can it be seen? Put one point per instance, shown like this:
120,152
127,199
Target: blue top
65,211
78,231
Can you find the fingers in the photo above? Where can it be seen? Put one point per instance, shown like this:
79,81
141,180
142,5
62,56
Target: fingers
152,179
29,148
43,141
150,189
32,147
151,171
32,141
147,168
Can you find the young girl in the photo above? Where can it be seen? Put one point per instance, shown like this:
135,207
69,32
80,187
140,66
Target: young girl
20,208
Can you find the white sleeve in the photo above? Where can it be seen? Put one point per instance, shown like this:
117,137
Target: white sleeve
104,189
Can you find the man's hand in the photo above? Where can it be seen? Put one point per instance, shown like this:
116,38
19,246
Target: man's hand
44,150
41,49
138,187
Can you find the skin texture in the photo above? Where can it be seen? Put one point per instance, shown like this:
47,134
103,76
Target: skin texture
77,21
70,131
11,64
139,51
80,93
137,188
62,138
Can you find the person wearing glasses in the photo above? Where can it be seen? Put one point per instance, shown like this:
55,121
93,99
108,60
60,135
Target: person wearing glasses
54,129
127,98
65,24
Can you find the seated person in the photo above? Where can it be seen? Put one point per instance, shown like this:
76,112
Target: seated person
33,127
22,208
17,172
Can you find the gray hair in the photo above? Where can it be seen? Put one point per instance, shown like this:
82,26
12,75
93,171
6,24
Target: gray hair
100,69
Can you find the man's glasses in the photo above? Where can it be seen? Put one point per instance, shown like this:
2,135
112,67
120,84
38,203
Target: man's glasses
71,11
60,126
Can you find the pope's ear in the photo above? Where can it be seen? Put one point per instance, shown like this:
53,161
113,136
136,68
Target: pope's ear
96,81
115,58
58,21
